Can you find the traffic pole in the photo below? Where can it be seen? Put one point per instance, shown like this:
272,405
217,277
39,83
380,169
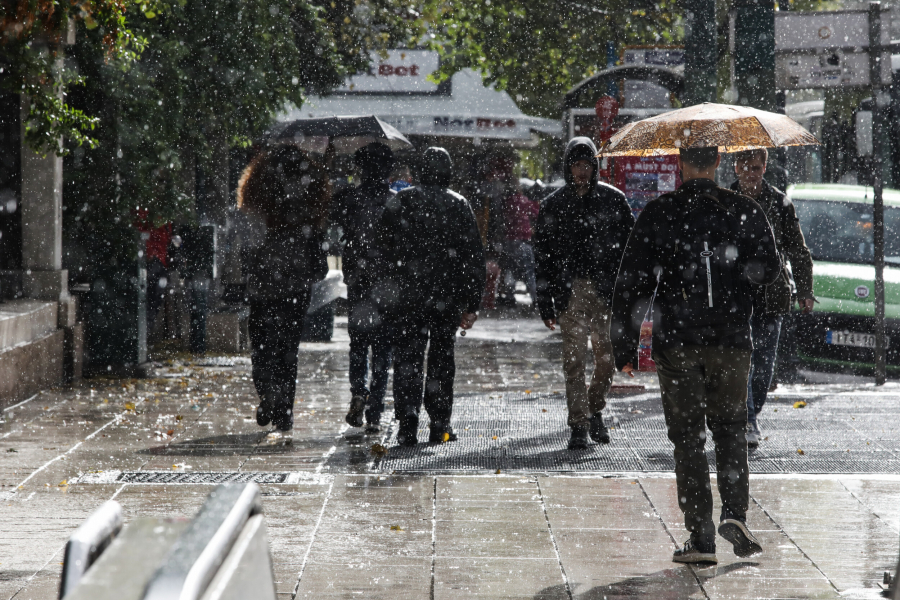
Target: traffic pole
878,135
754,53
700,52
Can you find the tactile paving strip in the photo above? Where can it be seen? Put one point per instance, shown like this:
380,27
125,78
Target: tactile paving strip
200,478
528,432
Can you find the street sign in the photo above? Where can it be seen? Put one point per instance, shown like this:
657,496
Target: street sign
827,49
402,72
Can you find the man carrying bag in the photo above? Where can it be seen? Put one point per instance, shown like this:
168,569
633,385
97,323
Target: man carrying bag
702,246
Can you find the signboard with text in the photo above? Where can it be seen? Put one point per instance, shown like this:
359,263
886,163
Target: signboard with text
643,179
402,72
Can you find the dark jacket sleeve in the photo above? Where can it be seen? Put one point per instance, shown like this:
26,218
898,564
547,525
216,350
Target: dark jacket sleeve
762,264
471,259
622,228
635,285
794,246
544,234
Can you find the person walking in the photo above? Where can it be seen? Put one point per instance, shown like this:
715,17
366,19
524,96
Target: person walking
433,286
518,254
290,191
771,302
357,210
580,234
697,251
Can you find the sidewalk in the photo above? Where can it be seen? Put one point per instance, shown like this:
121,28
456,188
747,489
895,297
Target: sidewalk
344,522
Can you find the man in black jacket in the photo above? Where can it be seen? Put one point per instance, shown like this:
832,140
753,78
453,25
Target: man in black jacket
771,302
433,285
698,249
357,210
579,237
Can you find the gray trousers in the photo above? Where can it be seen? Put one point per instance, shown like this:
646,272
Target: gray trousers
706,386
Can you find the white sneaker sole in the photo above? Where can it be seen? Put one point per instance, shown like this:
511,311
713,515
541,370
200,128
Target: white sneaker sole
696,557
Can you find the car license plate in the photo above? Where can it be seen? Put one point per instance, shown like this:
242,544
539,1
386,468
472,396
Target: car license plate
852,338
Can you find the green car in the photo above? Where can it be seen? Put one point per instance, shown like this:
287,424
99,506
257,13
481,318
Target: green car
838,336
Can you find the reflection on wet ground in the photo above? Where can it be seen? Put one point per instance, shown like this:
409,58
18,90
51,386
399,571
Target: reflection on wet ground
344,521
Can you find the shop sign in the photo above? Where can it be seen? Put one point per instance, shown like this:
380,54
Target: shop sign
402,72
643,179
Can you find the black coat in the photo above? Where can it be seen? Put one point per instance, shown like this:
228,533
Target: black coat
357,211
433,254
285,266
579,237
657,238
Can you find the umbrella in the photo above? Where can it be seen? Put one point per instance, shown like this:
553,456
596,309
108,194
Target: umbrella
347,134
731,128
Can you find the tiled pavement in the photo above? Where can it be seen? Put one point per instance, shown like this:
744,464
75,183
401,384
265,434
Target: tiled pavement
347,525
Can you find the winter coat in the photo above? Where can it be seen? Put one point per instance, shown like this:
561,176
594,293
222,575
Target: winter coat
669,242
285,266
775,299
433,253
579,236
519,211
357,211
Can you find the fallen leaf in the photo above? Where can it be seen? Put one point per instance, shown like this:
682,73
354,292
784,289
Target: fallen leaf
494,438
63,483
396,528
178,417
527,391
445,437
800,452
129,406
497,472
543,410
536,376
799,404
170,432
11,450
379,450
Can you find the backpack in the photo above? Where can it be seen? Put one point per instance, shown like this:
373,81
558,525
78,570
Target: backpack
703,282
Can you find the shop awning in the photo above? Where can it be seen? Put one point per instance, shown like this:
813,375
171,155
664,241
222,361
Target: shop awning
471,110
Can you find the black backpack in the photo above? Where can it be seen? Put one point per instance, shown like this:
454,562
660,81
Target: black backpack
703,282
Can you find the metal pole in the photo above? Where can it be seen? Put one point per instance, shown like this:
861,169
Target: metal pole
700,52
875,55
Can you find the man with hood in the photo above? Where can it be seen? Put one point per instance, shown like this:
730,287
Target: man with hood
579,237
693,255
357,210
434,284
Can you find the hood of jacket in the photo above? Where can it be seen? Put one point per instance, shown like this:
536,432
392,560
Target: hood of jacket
580,148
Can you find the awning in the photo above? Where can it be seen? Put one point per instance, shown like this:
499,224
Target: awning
471,110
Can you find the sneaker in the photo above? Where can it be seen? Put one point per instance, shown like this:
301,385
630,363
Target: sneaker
372,428
283,418
441,435
408,434
691,553
264,413
579,439
599,432
736,532
357,408
753,434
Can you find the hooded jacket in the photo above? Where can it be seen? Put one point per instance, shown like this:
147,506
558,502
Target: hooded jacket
579,236
433,253
654,262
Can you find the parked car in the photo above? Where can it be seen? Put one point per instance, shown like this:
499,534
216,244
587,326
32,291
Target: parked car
839,335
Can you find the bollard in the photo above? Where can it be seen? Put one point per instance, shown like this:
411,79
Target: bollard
88,543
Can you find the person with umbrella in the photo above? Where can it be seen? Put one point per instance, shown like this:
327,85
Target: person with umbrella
434,285
357,210
290,191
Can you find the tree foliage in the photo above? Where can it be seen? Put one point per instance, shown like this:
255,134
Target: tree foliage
538,50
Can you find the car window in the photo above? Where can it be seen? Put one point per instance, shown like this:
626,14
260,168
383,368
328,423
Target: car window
842,231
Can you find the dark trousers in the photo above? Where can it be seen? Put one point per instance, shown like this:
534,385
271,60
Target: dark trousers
368,330
411,336
707,386
766,330
275,329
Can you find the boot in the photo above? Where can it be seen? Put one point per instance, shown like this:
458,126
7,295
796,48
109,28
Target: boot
264,413
599,432
354,416
409,427
579,439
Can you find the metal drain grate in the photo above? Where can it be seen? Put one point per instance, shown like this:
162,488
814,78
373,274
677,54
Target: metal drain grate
200,478
528,432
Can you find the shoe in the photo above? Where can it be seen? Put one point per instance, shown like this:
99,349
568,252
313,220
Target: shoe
579,439
599,432
372,428
408,434
357,408
753,434
736,532
283,418
691,553
437,435
264,413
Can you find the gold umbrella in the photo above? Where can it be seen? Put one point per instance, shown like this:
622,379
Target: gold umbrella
731,128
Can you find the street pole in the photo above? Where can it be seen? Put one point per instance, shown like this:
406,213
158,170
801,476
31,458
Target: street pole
754,53
700,52
875,55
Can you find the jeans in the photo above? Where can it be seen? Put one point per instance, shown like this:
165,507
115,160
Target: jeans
518,265
706,386
411,336
368,330
275,329
586,316
765,330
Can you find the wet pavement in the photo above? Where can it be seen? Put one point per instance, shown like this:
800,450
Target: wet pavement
345,521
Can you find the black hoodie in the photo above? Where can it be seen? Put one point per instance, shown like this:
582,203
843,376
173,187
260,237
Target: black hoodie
579,236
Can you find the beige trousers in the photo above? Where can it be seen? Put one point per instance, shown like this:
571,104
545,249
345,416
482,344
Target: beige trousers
586,316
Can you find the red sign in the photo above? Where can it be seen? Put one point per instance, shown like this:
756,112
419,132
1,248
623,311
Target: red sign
642,179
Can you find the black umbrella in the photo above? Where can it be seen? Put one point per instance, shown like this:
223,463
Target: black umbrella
347,134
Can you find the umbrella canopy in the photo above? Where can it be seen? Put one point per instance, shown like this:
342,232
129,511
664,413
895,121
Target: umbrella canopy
347,134
731,128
